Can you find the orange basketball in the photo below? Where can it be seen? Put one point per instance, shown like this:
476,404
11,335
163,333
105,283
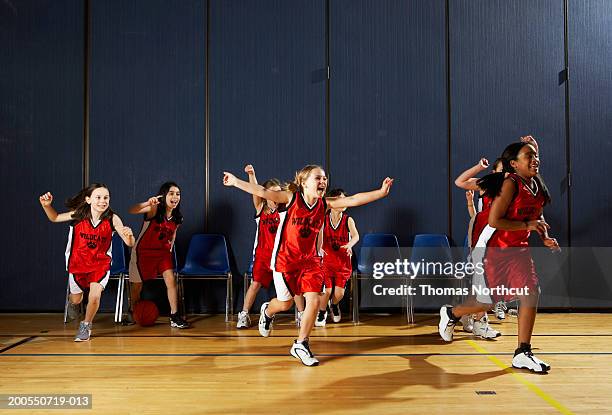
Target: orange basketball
145,313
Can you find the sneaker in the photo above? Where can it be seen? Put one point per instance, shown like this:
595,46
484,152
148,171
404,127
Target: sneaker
446,324
321,319
129,319
73,312
302,351
298,318
500,310
178,321
265,322
524,359
483,329
467,322
244,320
334,310
83,333
513,312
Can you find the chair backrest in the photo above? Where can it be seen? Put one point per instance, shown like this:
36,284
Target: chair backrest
119,263
206,255
370,251
431,247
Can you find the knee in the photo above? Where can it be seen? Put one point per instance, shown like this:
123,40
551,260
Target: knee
255,286
286,305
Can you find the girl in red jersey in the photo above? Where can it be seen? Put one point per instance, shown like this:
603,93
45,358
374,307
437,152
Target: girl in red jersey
89,248
295,261
152,253
478,324
267,220
516,210
339,236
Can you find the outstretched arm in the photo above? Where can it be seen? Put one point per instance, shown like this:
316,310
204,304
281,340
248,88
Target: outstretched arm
281,196
45,201
359,199
257,201
467,180
150,206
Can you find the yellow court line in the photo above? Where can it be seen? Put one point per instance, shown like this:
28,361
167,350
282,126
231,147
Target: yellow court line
549,399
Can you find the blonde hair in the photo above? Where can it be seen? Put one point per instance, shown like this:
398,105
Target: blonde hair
300,177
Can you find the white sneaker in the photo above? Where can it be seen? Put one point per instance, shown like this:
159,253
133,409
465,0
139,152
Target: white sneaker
500,310
446,325
334,310
302,351
526,360
467,322
321,319
483,329
298,318
244,320
265,323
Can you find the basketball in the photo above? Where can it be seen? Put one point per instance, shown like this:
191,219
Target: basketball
145,313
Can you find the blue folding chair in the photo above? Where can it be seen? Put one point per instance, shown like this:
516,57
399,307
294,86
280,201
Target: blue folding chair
368,255
207,258
118,271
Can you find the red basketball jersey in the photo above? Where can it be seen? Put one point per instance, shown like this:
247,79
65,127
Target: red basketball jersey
155,236
526,205
89,247
267,225
480,220
334,237
295,243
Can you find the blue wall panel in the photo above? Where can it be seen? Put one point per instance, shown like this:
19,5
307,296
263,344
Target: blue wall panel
267,103
41,136
148,104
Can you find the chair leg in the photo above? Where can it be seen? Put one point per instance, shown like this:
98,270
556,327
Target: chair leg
119,297
67,301
180,288
228,298
355,292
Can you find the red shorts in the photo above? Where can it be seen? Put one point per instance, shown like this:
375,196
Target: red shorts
262,272
80,282
335,277
307,279
146,266
510,267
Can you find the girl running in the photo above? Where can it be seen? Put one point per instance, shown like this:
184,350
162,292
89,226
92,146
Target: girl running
339,236
89,248
152,253
296,265
516,210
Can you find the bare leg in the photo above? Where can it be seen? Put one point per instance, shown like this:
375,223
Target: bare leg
249,299
171,289
310,314
95,292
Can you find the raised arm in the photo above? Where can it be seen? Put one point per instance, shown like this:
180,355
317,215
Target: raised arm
467,180
359,199
529,139
149,207
469,195
124,232
257,201
45,202
281,196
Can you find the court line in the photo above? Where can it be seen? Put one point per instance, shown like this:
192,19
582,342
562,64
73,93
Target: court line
285,354
321,336
16,344
535,389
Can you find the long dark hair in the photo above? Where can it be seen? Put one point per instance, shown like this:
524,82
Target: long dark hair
492,183
336,192
82,209
177,216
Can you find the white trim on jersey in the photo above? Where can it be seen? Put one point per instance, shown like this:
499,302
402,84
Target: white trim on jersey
69,245
331,222
478,254
256,238
480,203
282,216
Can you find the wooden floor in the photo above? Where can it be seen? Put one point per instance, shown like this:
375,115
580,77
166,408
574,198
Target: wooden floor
382,366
